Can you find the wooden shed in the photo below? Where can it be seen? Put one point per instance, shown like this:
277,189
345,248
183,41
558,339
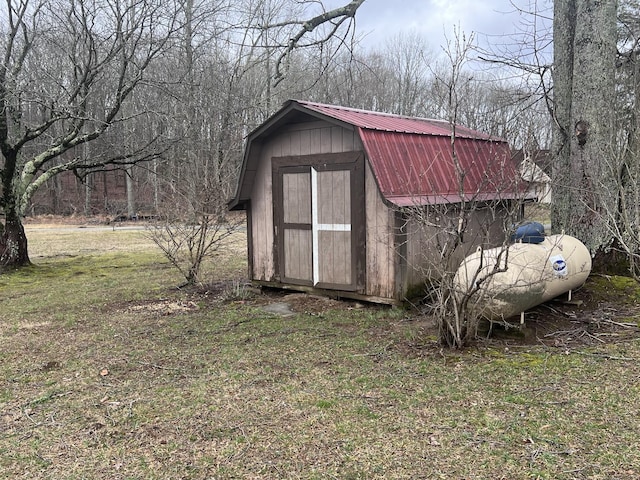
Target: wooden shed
327,189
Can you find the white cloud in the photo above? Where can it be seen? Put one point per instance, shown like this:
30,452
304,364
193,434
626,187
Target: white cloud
434,19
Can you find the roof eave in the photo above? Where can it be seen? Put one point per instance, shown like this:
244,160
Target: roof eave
407,201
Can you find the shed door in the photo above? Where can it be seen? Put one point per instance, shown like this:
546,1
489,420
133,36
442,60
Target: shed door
318,240
297,225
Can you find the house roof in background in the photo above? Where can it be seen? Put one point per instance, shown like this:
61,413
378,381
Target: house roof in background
411,158
540,157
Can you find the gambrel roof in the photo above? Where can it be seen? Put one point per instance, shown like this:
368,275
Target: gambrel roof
414,160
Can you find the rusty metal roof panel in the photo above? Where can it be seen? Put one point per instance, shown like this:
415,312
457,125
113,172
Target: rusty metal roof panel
418,169
412,158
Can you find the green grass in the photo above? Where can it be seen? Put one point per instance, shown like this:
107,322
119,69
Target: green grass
110,372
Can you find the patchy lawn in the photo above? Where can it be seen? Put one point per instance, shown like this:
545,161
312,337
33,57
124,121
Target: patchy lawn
112,373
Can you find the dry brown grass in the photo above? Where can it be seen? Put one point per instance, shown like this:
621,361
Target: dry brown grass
51,240
110,372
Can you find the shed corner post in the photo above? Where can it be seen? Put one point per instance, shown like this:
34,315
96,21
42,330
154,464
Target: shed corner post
400,241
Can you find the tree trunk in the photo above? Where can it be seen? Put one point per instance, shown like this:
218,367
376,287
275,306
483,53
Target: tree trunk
563,35
13,242
584,98
131,196
87,195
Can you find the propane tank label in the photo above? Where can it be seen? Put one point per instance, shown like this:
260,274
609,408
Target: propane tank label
559,266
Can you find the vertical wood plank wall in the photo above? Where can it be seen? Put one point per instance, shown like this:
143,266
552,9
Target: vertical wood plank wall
334,208
381,253
297,202
298,244
484,228
262,221
296,205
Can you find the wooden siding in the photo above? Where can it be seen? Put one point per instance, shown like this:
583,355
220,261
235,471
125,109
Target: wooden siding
338,232
262,241
297,247
334,197
424,240
334,212
300,139
335,258
380,242
294,198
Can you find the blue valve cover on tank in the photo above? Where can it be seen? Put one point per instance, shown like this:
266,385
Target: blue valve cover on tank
530,232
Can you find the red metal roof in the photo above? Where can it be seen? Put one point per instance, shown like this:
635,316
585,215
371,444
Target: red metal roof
391,123
412,159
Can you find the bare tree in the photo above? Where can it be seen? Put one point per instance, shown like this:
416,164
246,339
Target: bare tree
193,225
409,58
67,71
623,163
229,82
332,19
591,100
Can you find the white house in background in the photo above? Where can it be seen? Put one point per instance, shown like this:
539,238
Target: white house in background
532,170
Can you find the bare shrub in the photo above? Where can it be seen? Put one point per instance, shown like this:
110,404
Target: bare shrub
193,222
474,208
449,232
188,245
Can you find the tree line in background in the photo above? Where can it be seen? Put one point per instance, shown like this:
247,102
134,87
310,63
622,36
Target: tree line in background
215,72
154,98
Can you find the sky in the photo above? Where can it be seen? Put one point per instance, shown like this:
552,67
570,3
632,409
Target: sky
435,19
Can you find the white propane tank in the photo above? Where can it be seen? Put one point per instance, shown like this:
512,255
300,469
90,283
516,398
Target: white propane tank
526,275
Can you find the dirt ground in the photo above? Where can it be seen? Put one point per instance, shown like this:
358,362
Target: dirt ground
601,311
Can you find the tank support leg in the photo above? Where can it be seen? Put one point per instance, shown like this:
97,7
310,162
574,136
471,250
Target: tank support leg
521,318
569,296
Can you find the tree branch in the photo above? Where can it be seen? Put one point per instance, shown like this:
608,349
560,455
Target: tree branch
341,14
